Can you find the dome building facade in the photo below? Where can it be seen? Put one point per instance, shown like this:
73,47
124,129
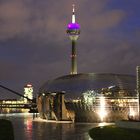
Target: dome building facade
75,85
90,96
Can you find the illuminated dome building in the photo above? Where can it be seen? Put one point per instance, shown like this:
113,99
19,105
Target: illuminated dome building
87,97
84,92
75,85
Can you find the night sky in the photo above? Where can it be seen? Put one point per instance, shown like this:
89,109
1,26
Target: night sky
34,46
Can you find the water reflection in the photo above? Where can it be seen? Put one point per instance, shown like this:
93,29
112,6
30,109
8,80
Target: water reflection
27,129
54,131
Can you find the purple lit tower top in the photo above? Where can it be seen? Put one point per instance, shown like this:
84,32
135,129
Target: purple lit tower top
73,28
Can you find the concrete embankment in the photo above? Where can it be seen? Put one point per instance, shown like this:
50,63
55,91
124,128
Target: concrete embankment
128,124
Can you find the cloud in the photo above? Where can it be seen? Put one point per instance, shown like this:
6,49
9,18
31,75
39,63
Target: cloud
107,20
35,47
39,21
13,19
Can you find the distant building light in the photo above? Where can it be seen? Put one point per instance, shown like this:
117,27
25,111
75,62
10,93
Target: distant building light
54,93
28,85
111,87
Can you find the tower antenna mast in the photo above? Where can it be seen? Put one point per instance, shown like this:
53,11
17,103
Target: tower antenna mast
73,14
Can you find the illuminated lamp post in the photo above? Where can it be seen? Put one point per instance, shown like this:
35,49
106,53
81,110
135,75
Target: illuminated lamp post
73,30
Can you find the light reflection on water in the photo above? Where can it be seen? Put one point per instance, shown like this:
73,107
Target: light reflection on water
27,129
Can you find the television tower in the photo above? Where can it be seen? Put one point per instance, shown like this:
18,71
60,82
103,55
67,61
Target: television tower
73,30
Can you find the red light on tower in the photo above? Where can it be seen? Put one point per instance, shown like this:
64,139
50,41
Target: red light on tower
29,85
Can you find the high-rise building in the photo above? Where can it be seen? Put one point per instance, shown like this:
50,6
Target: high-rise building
138,86
28,92
138,79
73,30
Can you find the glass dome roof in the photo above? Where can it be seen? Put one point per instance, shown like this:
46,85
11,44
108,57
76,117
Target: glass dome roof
75,85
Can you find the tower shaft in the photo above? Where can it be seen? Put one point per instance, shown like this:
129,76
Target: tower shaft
73,58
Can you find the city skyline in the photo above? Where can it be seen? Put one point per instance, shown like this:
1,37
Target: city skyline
35,47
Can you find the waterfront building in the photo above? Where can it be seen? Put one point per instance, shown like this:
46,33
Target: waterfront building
138,87
21,105
85,93
12,106
28,92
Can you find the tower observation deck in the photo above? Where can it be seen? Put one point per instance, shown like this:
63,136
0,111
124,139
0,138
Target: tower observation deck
73,30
